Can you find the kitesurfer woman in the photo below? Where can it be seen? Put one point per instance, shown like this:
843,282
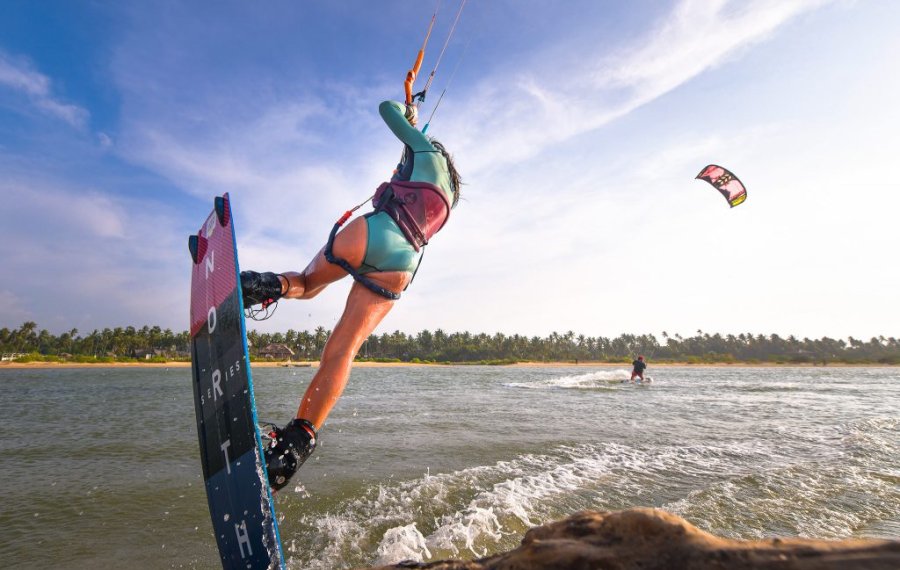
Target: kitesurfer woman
381,250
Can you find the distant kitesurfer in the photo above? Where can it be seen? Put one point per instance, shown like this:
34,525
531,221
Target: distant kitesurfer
382,251
639,367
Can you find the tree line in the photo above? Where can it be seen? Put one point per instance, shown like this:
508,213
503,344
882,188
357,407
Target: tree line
155,343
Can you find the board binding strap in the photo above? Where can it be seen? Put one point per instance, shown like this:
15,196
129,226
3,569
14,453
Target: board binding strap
231,448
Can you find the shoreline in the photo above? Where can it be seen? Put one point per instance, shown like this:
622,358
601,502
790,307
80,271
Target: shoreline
563,364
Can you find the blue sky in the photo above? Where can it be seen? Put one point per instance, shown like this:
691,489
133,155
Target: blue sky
578,128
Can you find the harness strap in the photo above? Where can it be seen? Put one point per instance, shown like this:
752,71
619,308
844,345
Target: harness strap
345,265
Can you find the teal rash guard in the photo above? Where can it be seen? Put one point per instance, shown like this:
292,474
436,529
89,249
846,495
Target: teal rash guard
387,248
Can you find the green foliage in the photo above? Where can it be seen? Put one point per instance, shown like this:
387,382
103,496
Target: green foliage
131,344
85,358
37,357
496,362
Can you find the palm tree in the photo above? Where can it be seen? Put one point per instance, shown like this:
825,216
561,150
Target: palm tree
72,334
320,338
26,336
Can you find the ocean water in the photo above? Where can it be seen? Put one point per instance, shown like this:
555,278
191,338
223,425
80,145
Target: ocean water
100,467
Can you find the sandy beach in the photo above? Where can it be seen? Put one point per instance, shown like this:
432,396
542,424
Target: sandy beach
580,364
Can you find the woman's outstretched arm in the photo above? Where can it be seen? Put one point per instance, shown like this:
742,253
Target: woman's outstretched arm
393,114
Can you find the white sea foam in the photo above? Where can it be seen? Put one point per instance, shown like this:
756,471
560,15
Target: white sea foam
589,381
335,537
402,543
733,488
466,511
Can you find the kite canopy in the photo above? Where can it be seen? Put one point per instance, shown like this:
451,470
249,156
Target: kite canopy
725,182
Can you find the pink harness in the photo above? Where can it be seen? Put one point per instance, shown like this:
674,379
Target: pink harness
420,208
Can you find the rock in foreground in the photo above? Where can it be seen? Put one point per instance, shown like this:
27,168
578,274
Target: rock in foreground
650,539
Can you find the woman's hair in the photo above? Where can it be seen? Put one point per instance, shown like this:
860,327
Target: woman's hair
455,180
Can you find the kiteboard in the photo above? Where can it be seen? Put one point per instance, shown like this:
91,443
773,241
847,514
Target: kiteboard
646,380
237,489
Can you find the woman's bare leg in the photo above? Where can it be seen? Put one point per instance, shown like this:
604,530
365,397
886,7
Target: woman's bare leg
363,312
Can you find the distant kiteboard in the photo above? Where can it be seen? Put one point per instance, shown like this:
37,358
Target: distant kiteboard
725,182
646,380
240,501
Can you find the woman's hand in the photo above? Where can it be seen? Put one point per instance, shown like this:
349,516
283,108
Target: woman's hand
412,114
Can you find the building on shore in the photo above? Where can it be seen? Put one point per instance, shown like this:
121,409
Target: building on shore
276,351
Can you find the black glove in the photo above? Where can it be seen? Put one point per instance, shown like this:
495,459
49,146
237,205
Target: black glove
260,287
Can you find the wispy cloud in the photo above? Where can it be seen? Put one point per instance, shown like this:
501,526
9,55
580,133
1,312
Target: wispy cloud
85,213
696,36
519,116
83,256
252,139
274,149
579,151
19,75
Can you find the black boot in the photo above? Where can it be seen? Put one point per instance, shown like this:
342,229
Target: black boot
260,287
289,449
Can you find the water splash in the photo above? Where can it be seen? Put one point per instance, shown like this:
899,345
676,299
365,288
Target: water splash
589,381
483,509
402,543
